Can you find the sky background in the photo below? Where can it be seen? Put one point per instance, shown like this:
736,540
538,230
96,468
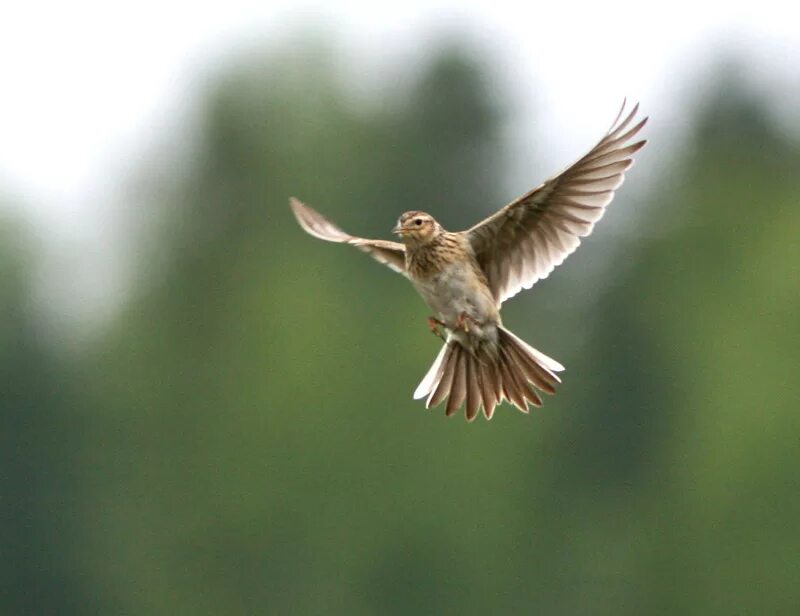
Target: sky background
92,88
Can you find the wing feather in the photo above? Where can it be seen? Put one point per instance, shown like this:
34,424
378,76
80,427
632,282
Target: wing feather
527,239
389,253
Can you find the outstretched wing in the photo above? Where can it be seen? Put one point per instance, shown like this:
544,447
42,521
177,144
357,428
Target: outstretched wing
524,241
392,254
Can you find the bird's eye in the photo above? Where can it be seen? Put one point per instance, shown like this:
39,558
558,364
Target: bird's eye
418,222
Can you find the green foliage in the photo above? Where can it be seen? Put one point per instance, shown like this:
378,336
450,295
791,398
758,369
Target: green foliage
247,440
40,568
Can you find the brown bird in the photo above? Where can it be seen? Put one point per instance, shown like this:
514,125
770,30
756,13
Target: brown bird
464,277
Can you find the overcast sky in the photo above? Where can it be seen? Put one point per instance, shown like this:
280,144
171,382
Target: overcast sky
88,86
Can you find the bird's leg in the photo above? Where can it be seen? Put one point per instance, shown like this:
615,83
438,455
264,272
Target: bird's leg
434,324
464,320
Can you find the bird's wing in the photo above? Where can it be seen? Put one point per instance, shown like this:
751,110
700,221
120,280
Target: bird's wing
524,241
389,253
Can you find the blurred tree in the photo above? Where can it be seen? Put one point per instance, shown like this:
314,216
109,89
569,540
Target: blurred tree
251,395
678,466
723,306
39,568
450,157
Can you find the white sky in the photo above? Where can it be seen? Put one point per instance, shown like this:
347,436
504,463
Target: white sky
88,86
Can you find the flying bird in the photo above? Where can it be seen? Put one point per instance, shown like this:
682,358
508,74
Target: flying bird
465,276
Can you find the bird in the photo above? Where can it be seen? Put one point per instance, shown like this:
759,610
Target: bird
464,277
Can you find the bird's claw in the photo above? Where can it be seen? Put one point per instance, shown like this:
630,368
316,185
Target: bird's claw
434,324
464,320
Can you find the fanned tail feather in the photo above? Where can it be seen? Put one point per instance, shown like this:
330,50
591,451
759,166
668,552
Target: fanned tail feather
512,371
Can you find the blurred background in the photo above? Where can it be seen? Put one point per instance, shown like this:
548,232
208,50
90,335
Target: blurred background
206,411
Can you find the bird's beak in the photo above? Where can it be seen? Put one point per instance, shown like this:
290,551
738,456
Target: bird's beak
398,230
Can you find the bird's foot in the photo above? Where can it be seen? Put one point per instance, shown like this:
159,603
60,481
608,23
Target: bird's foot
464,320
434,324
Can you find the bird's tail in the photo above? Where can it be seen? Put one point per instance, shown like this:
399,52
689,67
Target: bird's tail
513,371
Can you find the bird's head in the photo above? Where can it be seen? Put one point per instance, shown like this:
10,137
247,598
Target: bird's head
417,228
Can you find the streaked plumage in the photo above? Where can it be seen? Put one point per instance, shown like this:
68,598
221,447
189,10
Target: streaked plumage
465,277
